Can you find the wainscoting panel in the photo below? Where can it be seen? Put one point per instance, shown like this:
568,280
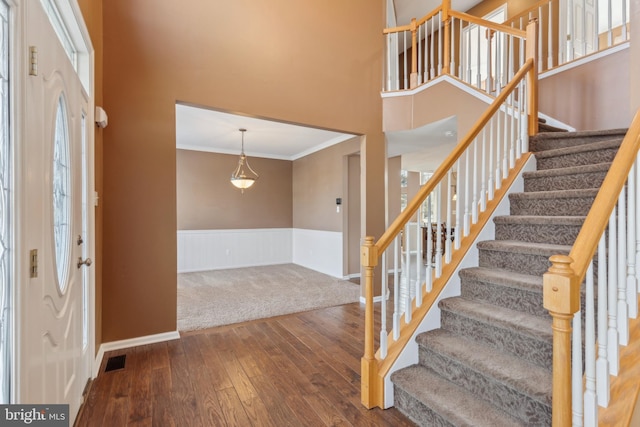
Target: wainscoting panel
318,250
202,250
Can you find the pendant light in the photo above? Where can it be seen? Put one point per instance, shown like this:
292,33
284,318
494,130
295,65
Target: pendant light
243,176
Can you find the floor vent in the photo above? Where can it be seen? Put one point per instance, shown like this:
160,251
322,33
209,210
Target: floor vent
114,363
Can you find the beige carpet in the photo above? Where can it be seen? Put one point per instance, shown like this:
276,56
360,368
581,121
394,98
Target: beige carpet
222,297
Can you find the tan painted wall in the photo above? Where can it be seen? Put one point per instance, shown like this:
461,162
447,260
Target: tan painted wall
590,97
414,111
352,210
206,200
308,62
317,181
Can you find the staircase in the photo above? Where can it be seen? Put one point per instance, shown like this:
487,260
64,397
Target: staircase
490,362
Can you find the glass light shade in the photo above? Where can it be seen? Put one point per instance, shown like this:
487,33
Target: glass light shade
243,176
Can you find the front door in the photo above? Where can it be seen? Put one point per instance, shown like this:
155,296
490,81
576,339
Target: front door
55,359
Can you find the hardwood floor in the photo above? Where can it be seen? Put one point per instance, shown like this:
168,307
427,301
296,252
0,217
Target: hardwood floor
295,370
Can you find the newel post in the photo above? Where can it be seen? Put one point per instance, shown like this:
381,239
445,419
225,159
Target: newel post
531,51
446,5
368,260
561,298
413,78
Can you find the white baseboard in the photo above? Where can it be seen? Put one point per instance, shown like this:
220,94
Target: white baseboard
133,342
363,300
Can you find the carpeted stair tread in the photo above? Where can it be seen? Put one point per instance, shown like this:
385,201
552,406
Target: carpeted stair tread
520,247
573,170
550,140
556,194
456,406
515,373
523,323
506,288
503,277
538,219
593,146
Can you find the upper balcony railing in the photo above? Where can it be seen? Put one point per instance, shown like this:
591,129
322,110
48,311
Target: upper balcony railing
485,54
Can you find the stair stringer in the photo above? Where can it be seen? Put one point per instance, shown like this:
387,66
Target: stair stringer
409,354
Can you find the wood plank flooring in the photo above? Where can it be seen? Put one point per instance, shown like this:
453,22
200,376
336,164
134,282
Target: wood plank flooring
295,370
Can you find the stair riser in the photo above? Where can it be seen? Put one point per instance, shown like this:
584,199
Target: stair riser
575,206
417,411
576,181
513,298
538,233
510,400
533,264
536,145
577,159
532,349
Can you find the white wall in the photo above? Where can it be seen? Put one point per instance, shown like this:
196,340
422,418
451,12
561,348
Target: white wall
318,250
201,250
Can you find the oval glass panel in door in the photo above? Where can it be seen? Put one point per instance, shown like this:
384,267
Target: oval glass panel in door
61,195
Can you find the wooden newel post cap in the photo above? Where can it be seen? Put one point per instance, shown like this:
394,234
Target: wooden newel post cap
560,288
368,253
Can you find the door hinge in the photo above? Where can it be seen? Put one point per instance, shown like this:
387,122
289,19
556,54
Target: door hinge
33,61
33,263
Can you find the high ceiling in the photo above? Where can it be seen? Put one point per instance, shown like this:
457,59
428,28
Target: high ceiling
206,129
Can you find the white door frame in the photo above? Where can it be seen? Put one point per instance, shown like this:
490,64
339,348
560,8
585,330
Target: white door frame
71,18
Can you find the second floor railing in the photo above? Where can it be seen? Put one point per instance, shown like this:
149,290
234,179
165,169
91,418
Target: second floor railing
485,54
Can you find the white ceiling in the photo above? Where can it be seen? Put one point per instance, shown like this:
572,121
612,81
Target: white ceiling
204,129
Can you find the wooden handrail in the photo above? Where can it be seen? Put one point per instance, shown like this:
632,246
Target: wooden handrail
419,22
488,24
526,12
402,219
586,243
562,283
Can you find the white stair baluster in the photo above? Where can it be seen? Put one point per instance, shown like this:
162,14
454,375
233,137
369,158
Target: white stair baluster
612,283
476,198
433,70
467,195
632,284
439,230
602,364
550,28
623,310
418,284
576,370
419,54
447,246
440,29
491,185
406,272
458,235
483,178
406,75
384,292
429,267
498,144
590,403
452,63
505,137
396,288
